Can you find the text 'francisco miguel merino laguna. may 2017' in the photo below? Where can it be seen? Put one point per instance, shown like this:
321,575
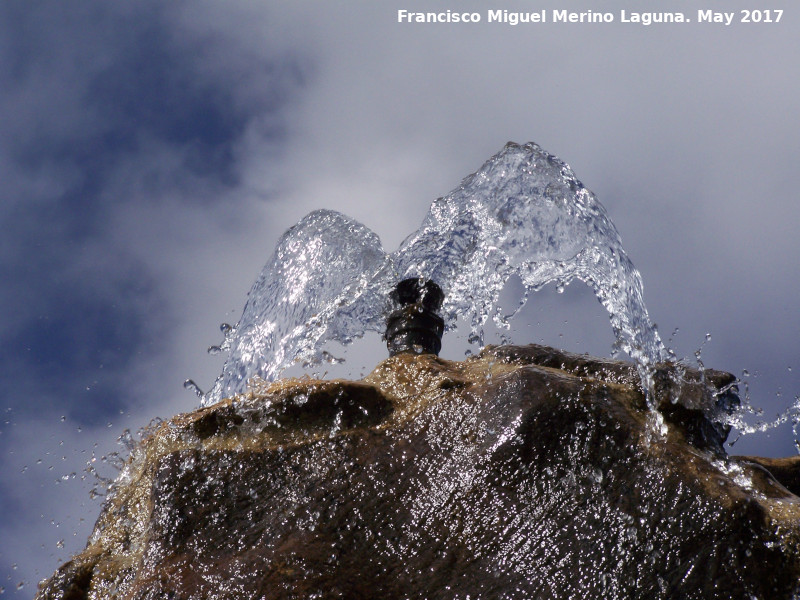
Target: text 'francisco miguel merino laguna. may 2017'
703,16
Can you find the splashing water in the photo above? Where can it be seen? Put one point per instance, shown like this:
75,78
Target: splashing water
523,213
327,280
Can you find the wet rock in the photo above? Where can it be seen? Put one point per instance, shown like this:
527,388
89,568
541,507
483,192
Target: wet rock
521,473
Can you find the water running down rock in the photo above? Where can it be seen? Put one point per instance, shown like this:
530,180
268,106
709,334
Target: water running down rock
520,473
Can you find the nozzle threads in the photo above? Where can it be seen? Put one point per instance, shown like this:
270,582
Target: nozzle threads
415,326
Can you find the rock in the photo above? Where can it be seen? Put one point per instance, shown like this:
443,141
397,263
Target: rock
521,473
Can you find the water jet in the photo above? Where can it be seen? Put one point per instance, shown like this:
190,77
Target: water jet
524,213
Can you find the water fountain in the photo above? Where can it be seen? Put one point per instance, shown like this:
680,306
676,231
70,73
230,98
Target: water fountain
520,472
522,213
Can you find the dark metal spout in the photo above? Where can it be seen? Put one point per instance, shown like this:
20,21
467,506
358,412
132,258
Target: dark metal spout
415,326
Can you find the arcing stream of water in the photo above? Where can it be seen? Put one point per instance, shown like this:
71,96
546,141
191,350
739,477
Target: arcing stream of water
522,213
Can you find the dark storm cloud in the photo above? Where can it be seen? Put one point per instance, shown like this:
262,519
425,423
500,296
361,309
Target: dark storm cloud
90,94
115,119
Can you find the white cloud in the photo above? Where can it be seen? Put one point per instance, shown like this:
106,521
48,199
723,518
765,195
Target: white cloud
686,135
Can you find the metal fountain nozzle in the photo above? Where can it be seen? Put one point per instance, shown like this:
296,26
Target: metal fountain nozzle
415,327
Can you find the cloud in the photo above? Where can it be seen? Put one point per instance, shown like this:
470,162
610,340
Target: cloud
153,153
119,159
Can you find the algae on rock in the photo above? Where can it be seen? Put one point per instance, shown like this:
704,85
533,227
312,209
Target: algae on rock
523,472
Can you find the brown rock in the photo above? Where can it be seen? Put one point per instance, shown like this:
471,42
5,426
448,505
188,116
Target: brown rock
522,473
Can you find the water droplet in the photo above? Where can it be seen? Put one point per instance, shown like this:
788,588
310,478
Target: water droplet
191,385
60,544
214,350
330,358
126,440
708,337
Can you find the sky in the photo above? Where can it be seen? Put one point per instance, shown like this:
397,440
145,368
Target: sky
152,153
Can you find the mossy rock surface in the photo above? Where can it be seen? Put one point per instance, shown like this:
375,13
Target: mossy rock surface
524,472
